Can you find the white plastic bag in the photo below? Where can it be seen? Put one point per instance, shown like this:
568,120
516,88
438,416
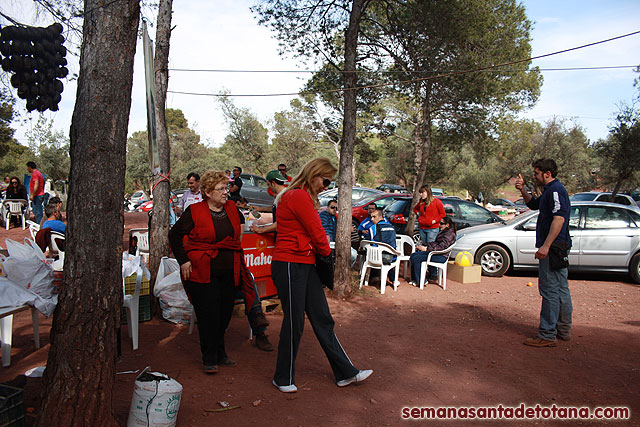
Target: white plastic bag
174,302
27,266
12,294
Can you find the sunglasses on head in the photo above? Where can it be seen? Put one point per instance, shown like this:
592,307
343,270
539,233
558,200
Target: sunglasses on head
326,182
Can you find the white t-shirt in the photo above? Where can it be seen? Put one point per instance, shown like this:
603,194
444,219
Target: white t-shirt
189,198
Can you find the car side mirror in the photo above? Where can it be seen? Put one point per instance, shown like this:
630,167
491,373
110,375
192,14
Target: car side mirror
530,226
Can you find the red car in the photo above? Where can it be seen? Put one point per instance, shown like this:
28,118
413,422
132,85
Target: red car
359,212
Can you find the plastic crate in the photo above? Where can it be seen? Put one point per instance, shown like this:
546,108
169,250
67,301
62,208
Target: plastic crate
130,285
144,310
11,407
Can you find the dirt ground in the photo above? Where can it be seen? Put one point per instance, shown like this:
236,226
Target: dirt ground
456,348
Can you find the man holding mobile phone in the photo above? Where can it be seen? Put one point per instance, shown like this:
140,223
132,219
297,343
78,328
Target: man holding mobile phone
552,228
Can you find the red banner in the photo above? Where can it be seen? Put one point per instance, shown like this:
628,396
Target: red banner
258,249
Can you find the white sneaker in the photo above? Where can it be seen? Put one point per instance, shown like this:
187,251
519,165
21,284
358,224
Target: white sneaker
286,388
359,377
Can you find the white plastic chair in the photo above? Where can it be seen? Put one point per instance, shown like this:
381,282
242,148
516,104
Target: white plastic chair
401,241
56,243
14,208
441,266
374,260
142,235
33,228
132,303
6,330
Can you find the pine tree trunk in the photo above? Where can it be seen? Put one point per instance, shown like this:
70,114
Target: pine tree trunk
159,233
345,180
81,365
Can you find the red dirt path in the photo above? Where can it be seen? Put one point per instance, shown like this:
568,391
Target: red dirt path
459,347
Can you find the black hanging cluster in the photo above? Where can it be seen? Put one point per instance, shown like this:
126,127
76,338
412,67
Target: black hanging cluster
36,57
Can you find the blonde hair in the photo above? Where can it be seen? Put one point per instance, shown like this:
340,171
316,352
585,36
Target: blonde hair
429,198
316,167
209,181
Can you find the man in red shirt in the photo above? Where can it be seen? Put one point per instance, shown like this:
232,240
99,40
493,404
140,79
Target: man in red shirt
36,190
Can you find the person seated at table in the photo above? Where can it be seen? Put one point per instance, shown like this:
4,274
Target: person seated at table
445,238
16,191
329,221
384,233
54,219
367,228
55,200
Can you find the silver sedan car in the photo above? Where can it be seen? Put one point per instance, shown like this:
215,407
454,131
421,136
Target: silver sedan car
605,236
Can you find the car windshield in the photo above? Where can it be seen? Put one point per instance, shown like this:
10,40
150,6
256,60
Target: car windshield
583,197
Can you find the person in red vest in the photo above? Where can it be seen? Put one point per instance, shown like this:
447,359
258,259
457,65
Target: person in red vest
300,238
206,243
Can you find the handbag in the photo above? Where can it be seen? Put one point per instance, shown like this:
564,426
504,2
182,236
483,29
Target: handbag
324,268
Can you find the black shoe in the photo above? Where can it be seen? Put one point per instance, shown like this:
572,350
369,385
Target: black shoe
261,320
262,342
225,361
210,369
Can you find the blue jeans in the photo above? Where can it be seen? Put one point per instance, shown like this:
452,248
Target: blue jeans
417,258
36,203
428,235
555,315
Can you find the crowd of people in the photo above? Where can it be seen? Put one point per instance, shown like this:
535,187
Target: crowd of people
206,241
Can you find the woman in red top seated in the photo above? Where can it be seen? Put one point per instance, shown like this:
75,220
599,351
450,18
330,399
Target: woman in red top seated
300,237
430,211
206,243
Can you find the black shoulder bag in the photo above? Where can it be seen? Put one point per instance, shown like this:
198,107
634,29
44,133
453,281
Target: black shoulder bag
324,267
559,253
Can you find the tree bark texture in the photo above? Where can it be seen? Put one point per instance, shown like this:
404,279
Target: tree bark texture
81,365
159,233
422,138
345,179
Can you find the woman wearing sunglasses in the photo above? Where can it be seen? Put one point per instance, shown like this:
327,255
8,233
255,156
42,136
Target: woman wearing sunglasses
16,191
300,237
445,238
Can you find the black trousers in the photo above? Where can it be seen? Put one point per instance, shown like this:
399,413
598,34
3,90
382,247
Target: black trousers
300,291
213,304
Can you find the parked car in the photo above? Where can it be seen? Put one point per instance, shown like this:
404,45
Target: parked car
602,196
357,194
464,214
437,192
256,190
605,237
521,206
392,188
148,205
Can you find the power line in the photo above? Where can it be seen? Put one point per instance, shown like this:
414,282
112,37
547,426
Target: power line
606,67
449,74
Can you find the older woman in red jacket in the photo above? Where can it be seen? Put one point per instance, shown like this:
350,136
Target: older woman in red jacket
206,243
300,237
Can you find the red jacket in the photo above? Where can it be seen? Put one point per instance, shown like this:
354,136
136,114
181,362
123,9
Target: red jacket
300,235
427,214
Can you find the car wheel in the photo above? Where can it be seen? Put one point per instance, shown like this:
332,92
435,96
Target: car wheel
634,268
495,261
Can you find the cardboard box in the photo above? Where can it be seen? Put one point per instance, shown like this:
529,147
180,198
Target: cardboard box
460,274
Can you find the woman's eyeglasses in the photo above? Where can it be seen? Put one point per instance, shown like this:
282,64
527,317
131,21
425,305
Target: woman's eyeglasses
223,189
326,182
14,182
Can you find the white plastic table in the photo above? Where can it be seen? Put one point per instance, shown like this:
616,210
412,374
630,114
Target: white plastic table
6,329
